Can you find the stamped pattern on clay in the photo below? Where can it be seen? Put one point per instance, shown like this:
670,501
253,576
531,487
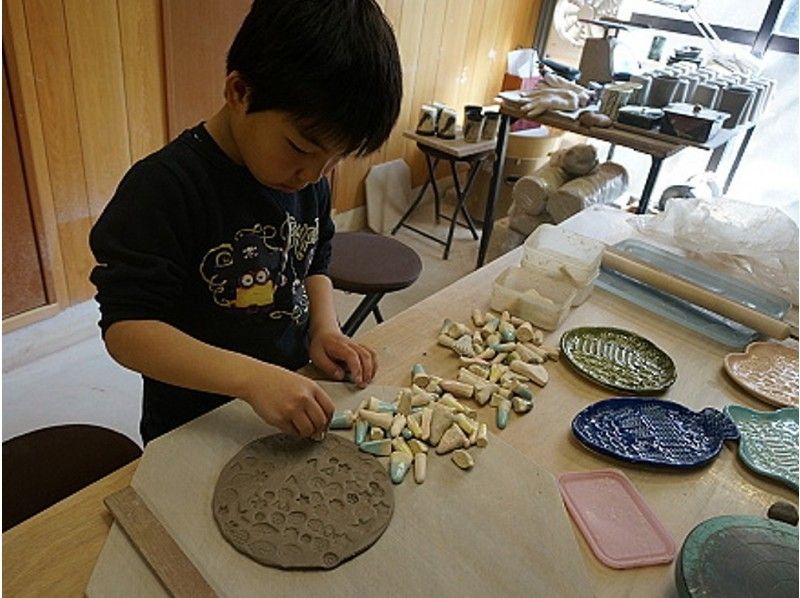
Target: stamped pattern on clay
293,503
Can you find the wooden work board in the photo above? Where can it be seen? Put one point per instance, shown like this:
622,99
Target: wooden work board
498,530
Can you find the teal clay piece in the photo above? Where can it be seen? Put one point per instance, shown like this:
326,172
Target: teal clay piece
399,464
523,391
362,428
342,420
768,442
503,409
379,448
619,359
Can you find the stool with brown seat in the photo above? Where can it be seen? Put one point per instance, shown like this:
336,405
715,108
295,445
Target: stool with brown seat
45,466
370,265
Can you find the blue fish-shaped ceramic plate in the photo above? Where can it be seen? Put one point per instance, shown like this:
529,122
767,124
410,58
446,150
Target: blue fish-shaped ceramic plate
769,441
653,431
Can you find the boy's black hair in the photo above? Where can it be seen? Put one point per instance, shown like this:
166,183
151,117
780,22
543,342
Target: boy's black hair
332,64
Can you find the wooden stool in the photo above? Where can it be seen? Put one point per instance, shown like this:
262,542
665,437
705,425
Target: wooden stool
44,466
370,265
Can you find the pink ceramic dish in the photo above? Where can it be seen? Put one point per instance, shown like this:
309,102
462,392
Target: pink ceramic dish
615,520
768,371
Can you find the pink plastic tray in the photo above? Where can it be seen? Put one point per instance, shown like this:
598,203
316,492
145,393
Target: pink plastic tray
618,525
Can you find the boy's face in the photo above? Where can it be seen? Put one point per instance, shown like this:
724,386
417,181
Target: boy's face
272,147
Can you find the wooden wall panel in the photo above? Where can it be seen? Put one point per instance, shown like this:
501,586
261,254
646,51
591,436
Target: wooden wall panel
96,58
453,51
49,45
197,35
23,280
22,83
143,68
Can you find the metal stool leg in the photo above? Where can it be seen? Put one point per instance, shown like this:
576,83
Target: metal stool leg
378,315
368,303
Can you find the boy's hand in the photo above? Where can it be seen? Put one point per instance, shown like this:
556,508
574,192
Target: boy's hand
336,354
289,401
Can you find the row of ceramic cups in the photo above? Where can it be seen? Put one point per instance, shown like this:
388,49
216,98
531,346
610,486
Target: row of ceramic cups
742,97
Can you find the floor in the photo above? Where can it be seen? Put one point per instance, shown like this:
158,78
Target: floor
57,371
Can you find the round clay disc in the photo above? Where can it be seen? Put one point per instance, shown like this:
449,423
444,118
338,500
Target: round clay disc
739,556
293,503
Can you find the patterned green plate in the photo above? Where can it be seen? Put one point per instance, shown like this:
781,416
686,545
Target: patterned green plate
768,441
619,359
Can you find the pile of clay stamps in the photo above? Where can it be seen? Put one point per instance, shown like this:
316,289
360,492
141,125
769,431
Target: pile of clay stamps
500,357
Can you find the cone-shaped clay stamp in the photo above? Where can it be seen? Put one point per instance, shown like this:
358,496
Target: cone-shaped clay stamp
419,376
452,439
379,448
463,459
413,423
483,436
467,377
375,404
457,330
534,372
463,346
399,464
420,467
477,318
376,433
382,420
507,333
459,389
446,341
362,428
491,325
525,332
441,420
342,420
425,424
503,409
521,405
398,423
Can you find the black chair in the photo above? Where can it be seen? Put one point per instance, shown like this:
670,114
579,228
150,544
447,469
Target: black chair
370,265
45,466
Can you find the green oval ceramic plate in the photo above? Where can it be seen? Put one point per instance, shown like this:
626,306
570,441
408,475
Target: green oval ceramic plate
619,359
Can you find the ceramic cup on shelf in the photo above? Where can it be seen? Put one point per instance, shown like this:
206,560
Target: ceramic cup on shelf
705,95
639,97
692,81
662,91
680,90
735,101
612,98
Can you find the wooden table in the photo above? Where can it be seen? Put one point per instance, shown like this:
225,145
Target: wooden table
452,151
54,552
658,147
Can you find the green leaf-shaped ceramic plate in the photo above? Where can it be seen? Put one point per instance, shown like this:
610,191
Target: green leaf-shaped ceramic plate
619,359
768,441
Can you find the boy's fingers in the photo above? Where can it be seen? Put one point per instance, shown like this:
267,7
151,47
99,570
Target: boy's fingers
303,425
353,361
325,403
366,363
317,416
329,367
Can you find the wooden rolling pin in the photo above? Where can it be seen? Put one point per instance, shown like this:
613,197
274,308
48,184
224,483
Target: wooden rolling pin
689,291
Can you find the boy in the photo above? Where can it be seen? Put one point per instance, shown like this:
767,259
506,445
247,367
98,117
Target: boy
213,251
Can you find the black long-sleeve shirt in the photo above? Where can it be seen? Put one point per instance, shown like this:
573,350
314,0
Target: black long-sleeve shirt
192,239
